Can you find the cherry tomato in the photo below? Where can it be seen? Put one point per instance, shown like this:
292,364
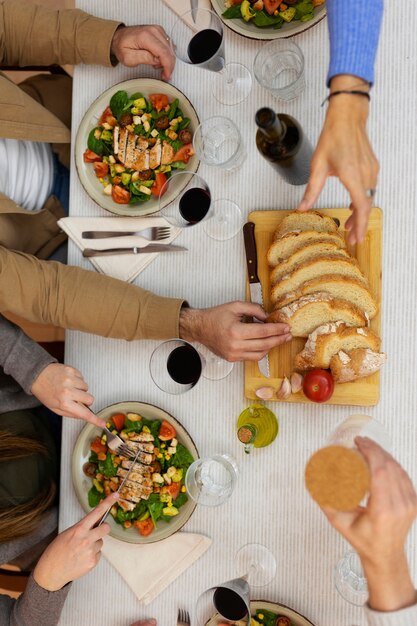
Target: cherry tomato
184,153
159,101
318,385
98,447
108,118
101,169
145,527
173,489
91,157
271,5
160,180
118,420
167,431
120,195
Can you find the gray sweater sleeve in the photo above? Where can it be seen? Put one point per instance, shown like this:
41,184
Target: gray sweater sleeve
21,357
35,607
403,617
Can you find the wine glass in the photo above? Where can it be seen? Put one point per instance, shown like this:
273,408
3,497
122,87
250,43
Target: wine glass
349,579
193,204
202,44
176,366
210,481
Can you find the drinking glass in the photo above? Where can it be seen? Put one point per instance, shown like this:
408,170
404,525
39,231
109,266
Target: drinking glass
350,580
217,141
203,45
210,481
193,202
279,68
359,426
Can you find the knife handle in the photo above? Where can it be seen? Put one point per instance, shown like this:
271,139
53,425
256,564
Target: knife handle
250,249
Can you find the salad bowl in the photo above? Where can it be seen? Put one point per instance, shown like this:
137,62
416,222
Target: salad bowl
268,610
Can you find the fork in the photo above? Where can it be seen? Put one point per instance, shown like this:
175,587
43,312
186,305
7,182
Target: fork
117,445
152,233
183,618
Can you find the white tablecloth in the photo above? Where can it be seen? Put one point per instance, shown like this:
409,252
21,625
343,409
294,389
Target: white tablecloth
269,504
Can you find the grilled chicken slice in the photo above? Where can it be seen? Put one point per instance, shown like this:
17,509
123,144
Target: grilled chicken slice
140,160
142,143
116,139
135,494
141,437
126,505
167,153
139,445
139,467
155,154
123,135
139,488
130,150
136,477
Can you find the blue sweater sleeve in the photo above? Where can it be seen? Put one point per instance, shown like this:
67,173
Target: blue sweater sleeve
354,28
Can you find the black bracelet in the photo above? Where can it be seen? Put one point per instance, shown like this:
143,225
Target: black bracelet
354,92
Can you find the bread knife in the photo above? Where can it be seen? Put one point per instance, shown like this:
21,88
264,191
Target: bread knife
255,287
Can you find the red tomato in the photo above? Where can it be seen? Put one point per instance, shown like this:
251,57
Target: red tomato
91,157
120,195
160,180
145,527
118,420
318,385
108,118
98,447
173,489
167,431
184,153
101,169
271,5
159,101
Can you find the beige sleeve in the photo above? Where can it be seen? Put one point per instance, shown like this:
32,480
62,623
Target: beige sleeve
36,35
70,297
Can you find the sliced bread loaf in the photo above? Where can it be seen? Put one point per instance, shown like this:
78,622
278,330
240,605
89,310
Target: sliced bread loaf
316,268
312,220
290,243
345,287
305,254
327,340
309,312
354,364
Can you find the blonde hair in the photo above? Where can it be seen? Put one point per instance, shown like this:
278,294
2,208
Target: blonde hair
22,519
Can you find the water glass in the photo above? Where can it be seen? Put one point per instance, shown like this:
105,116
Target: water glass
217,141
350,580
359,426
279,68
210,481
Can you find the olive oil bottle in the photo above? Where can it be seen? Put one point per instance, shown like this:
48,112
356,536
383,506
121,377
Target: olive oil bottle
281,141
257,427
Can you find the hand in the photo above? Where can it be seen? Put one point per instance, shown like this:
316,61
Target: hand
63,390
145,622
133,45
378,532
222,330
343,150
75,552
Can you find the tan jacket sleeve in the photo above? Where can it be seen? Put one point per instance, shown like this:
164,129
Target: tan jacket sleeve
70,297
36,35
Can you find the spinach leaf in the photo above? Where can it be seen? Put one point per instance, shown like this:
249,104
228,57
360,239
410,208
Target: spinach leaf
93,457
182,458
129,425
263,19
107,468
269,618
94,497
176,144
155,509
185,122
178,165
304,8
232,12
181,500
97,145
118,102
173,109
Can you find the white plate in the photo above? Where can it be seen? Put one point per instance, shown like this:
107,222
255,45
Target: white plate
85,171
280,609
247,29
82,484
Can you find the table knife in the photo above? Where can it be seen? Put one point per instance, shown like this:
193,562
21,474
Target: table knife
194,8
89,252
255,286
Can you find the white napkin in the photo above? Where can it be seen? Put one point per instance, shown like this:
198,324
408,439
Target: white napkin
125,267
149,568
182,6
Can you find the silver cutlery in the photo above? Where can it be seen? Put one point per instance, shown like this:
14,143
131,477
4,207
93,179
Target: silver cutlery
183,618
152,233
116,444
156,247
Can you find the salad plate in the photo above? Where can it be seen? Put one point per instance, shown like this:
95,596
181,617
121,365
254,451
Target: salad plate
251,31
270,612
146,511
96,121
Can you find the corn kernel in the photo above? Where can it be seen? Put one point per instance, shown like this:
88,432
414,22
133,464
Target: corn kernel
276,13
108,424
183,489
167,457
260,615
163,445
159,456
101,180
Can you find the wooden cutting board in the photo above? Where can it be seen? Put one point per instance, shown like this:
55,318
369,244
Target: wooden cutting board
362,392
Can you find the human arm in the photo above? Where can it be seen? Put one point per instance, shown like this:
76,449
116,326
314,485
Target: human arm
343,149
378,531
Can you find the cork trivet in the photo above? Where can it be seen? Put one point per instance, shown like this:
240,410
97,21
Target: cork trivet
337,477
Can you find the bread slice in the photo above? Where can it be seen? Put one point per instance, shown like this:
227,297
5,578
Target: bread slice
344,287
357,363
327,340
305,254
290,243
312,220
316,268
309,312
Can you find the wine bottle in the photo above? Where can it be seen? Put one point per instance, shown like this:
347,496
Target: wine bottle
281,141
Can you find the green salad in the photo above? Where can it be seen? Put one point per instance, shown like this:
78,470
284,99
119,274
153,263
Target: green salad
271,13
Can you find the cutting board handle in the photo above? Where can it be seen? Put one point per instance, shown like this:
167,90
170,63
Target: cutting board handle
250,249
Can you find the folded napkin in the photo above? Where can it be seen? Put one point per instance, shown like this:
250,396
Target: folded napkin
125,267
149,568
182,6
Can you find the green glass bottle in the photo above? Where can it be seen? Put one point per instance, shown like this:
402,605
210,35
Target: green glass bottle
257,427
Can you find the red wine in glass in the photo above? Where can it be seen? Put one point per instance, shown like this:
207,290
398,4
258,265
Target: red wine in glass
204,45
229,604
194,205
184,365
